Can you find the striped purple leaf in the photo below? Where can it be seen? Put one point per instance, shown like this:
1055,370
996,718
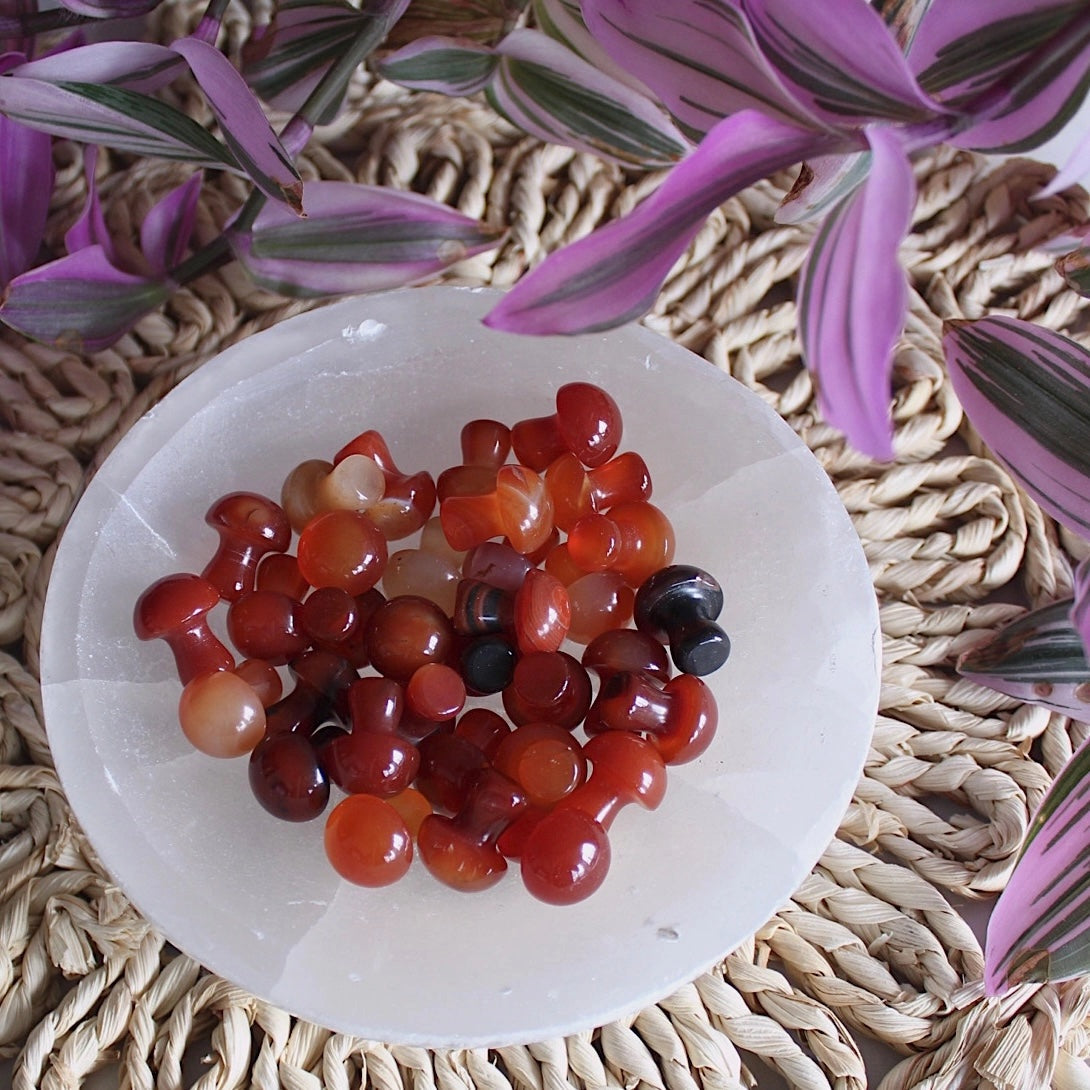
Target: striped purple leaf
1026,390
839,59
613,275
285,61
1039,658
111,9
137,66
852,297
447,66
81,302
89,228
563,21
168,226
357,238
1029,102
114,117
548,91
698,56
960,50
26,182
246,130
1040,927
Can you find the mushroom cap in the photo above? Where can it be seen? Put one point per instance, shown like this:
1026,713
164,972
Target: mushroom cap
253,519
674,593
172,603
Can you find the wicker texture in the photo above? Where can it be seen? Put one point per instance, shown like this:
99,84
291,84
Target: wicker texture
873,943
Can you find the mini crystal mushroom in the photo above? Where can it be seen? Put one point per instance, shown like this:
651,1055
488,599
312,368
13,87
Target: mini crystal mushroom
679,718
679,605
567,855
461,851
249,526
175,609
372,758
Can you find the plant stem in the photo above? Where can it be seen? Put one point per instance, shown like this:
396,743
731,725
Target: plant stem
209,27
323,100
218,251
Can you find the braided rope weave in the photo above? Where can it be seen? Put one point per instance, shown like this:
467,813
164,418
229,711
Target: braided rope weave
873,944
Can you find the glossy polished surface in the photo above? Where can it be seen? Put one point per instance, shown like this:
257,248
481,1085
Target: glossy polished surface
748,504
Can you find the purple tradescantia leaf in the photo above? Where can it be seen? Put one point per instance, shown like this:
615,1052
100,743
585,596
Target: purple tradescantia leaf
168,226
698,56
137,66
548,91
1038,658
960,50
284,64
357,238
113,117
1031,103
542,87
81,301
823,183
1026,390
111,9
840,59
1080,610
852,298
563,21
1040,927
447,66
90,228
26,182
246,130
614,275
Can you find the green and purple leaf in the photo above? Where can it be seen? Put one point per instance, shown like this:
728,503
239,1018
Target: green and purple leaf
613,275
481,21
1039,658
26,183
111,9
246,130
1035,99
137,66
960,50
852,298
447,66
357,238
1040,927
114,117
551,93
839,59
168,226
1026,390
80,302
562,20
698,56
546,90
286,61
1080,609
90,228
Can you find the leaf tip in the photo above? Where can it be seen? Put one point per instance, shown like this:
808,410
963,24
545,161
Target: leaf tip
802,183
293,197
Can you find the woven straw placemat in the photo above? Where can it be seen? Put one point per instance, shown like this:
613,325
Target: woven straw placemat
872,944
